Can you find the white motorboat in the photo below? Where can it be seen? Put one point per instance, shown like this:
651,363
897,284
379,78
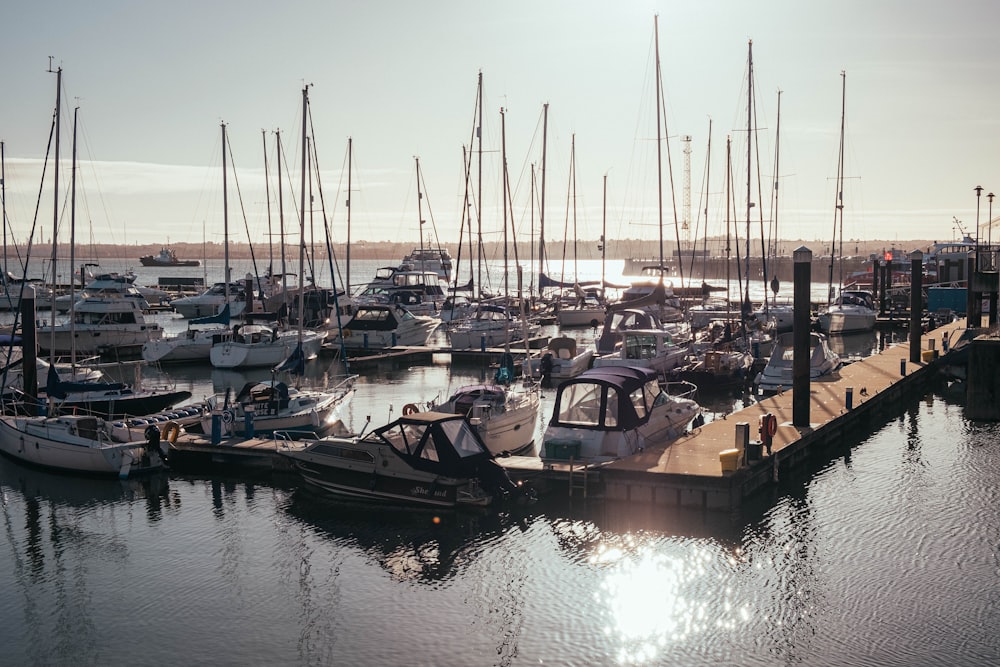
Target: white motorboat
98,325
614,412
193,344
211,301
778,373
77,443
853,311
258,345
650,348
380,326
491,326
425,458
563,358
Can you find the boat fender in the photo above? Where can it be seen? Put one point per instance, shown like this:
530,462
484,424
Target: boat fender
170,431
409,409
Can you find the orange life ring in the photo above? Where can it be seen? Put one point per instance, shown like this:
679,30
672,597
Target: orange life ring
170,431
409,409
770,424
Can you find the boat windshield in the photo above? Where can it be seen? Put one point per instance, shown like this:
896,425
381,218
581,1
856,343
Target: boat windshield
460,434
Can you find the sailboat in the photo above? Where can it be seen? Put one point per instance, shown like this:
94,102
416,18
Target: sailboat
853,310
585,307
505,415
259,345
73,443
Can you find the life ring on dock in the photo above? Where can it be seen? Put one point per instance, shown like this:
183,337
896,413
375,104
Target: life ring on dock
170,431
770,425
409,409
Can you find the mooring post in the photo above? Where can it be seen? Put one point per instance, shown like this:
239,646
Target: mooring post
802,276
29,369
916,303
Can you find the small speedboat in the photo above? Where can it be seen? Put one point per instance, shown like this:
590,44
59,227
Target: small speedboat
424,458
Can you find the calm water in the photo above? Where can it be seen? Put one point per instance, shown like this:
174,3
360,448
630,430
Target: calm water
885,554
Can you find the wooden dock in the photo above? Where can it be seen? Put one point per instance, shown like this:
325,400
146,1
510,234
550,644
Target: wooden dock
192,450
689,471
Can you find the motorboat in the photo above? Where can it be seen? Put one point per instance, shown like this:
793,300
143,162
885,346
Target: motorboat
493,325
853,311
108,285
211,301
613,412
270,406
430,258
99,324
777,374
79,444
563,358
425,458
193,344
419,290
379,326
259,345
651,348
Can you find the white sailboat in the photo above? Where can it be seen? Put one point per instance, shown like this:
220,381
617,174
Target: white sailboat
73,443
852,311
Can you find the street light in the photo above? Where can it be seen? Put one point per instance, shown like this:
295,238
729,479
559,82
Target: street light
989,222
979,191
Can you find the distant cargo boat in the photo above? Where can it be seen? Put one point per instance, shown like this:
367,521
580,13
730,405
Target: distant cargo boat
167,257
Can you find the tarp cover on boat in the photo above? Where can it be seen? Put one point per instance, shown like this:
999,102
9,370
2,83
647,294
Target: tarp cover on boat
57,388
610,398
437,442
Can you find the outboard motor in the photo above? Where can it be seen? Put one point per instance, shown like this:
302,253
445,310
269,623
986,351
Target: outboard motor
152,434
496,480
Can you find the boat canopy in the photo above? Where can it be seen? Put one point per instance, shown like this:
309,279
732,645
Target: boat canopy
609,398
436,442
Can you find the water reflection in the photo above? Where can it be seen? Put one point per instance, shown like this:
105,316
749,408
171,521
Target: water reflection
414,545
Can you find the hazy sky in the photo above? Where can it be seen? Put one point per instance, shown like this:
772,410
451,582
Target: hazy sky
153,82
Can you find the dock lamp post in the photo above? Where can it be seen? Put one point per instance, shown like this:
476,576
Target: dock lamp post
916,303
979,191
989,221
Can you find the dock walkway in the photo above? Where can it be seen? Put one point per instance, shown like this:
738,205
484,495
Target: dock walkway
688,472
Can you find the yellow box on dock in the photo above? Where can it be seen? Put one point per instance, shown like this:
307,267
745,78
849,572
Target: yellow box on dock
730,460
928,356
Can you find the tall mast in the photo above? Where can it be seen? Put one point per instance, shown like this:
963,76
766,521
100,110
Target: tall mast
773,249
541,207
302,209
55,210
746,258
281,210
838,210
420,209
225,219
604,227
3,202
503,196
348,250
72,253
267,196
479,188
659,145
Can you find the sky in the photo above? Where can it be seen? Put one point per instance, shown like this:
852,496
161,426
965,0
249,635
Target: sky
154,82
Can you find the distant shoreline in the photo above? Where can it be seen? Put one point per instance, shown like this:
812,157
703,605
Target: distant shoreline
393,252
